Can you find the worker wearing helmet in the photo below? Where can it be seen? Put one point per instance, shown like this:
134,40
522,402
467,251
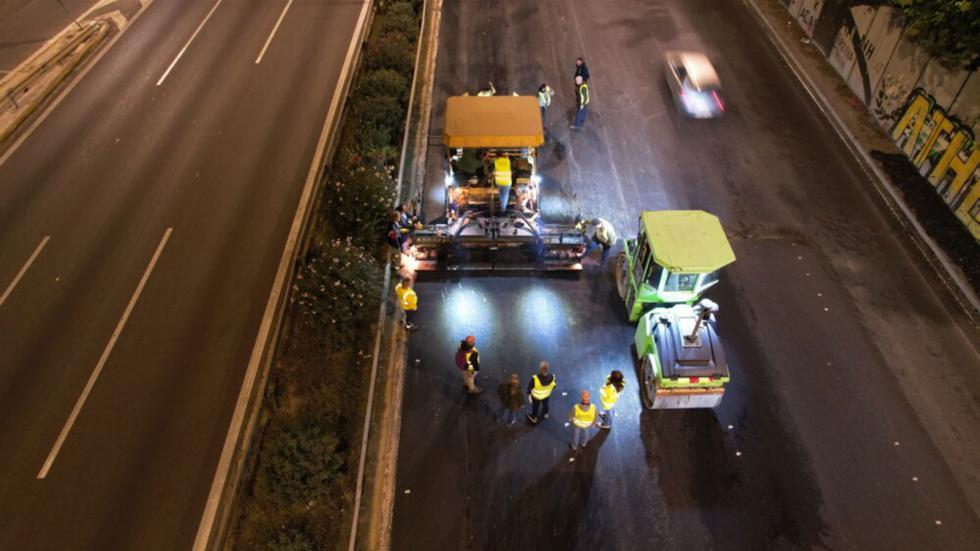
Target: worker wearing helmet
539,391
604,236
583,418
468,361
608,395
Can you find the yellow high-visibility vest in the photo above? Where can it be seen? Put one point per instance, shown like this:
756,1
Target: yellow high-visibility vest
608,396
407,298
501,171
540,391
584,419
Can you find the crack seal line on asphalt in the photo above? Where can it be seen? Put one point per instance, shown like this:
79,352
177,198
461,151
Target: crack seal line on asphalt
188,43
103,359
57,101
879,180
273,33
23,270
237,422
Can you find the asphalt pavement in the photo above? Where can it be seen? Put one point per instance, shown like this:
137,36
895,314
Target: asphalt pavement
141,225
851,366
26,25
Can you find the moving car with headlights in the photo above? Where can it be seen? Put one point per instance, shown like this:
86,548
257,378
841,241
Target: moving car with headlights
694,84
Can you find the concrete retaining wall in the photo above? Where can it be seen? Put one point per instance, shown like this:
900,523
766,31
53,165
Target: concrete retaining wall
931,113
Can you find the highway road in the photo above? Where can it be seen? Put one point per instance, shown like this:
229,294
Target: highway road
141,225
25,25
850,421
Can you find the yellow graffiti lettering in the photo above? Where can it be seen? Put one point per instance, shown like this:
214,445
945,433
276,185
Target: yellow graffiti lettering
971,219
913,119
963,170
940,124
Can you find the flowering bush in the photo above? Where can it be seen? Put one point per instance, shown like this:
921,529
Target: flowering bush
356,201
337,292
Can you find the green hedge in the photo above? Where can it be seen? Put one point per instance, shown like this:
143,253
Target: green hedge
302,484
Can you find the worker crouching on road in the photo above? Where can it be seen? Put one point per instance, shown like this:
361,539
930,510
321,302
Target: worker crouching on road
608,395
408,300
468,361
583,418
510,397
604,236
539,391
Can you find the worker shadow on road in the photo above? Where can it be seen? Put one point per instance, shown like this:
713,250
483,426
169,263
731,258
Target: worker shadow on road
551,513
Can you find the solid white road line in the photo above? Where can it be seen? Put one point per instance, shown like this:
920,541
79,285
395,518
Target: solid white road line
23,270
102,360
252,375
273,33
189,40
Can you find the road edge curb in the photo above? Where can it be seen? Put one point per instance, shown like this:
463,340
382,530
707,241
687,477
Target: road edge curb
949,273
380,511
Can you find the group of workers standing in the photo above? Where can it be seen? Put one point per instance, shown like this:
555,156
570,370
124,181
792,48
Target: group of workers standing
583,416
545,94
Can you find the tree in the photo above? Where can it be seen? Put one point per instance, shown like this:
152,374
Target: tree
947,29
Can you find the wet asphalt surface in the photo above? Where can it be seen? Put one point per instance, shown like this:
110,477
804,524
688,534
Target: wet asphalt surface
827,434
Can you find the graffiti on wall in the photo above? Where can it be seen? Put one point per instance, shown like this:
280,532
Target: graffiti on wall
944,150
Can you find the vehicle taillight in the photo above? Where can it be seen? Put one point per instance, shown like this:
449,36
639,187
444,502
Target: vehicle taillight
714,94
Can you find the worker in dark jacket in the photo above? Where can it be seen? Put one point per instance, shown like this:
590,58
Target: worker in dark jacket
511,399
581,69
539,391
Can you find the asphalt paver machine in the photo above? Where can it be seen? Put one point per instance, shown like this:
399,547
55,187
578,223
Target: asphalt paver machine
661,276
490,143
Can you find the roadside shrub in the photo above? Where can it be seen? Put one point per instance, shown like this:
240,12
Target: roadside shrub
382,83
399,17
379,122
337,292
303,461
390,51
934,214
356,201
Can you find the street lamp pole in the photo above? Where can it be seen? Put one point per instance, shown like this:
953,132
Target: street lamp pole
62,4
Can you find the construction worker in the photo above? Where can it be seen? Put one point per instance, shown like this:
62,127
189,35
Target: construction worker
581,102
581,69
608,395
487,91
583,418
503,177
408,300
544,99
604,236
468,361
539,390
398,236
510,397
